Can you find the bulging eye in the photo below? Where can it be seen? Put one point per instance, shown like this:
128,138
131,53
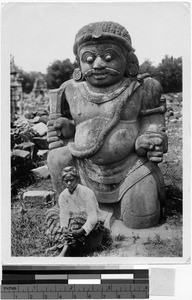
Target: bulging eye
108,57
89,59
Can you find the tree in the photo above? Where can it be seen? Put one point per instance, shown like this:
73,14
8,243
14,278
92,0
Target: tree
58,72
170,74
147,67
28,79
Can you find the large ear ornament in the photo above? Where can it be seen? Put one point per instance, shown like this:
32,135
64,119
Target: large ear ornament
132,67
77,74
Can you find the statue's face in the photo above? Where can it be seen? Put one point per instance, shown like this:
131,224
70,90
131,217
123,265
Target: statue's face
102,64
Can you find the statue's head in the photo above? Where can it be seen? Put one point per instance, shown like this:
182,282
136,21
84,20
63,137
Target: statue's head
104,53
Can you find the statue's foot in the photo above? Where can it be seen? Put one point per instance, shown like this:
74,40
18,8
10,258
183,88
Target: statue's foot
119,228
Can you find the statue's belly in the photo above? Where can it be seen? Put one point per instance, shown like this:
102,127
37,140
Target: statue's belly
116,145
119,143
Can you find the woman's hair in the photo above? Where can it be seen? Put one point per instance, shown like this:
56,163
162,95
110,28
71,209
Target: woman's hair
70,170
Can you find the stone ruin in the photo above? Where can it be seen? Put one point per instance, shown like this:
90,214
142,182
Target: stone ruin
15,89
29,117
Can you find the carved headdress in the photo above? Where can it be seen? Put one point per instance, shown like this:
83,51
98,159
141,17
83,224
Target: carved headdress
112,32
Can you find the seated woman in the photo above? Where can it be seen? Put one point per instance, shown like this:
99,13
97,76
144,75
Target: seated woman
81,229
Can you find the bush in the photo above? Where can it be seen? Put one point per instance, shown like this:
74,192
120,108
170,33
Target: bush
59,72
168,73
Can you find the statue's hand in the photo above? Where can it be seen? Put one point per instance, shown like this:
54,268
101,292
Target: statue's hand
64,127
150,144
53,136
58,131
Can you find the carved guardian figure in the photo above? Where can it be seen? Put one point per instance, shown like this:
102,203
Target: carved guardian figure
108,121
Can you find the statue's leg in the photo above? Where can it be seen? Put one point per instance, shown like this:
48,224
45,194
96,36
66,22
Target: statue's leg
58,159
139,207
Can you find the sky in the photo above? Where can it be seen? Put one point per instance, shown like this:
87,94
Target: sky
36,34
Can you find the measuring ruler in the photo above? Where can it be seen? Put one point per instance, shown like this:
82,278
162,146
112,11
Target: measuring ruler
74,284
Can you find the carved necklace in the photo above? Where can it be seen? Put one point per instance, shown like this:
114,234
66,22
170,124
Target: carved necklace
99,98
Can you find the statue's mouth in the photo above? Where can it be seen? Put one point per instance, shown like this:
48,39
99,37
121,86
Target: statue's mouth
101,74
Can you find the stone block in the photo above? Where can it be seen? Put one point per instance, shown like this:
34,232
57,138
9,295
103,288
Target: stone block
177,114
173,121
42,112
40,129
26,135
41,163
39,199
41,172
28,146
42,154
21,121
29,115
170,114
41,142
22,154
171,117
35,120
44,119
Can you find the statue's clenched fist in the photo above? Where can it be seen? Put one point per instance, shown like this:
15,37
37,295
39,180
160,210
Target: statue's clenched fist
58,131
151,144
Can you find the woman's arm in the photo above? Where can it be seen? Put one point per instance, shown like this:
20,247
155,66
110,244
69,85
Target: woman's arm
92,212
64,212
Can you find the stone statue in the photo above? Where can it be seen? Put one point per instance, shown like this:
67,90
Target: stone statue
108,121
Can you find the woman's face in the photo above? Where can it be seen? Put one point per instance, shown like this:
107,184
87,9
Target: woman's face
70,183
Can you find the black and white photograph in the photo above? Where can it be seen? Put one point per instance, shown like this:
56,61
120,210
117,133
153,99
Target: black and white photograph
96,133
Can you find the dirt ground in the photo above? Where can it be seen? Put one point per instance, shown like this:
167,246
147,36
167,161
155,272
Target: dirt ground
165,240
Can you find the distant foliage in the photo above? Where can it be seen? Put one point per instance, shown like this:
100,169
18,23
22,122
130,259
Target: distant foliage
147,67
168,73
28,80
59,72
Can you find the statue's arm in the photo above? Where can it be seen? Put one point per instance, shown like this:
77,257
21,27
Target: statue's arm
60,127
152,138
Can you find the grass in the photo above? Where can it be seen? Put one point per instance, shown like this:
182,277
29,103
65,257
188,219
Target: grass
166,247
28,233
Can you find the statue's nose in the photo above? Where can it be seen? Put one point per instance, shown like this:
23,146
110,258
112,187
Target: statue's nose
99,63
